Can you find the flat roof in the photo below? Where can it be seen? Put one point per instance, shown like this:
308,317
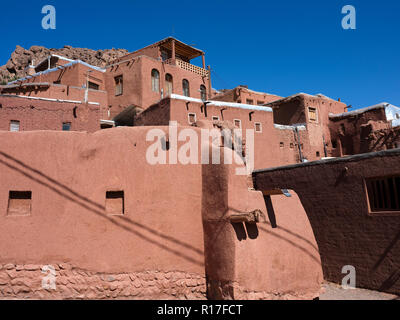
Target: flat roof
300,94
352,158
381,105
221,103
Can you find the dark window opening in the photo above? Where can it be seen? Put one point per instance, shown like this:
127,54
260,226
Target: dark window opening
155,80
19,203
192,118
383,194
94,86
119,85
115,202
203,92
185,88
66,126
317,153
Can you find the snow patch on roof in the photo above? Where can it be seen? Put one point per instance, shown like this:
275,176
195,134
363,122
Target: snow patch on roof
391,112
222,103
299,126
59,68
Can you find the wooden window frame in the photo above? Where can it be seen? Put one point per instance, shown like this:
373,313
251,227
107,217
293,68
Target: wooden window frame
375,212
119,83
316,114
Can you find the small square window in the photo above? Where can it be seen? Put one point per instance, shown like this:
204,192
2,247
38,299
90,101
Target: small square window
281,144
66,126
312,114
115,202
249,101
192,118
317,154
215,118
19,203
258,127
260,103
291,145
93,86
238,123
14,125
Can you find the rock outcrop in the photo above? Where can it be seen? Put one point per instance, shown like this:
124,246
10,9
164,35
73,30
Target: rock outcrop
22,58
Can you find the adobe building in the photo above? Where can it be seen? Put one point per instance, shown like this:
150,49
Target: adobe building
112,225
242,94
136,80
366,130
353,204
144,77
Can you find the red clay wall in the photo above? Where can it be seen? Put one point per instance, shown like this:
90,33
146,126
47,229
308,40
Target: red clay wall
256,261
137,89
273,146
156,249
295,110
356,134
333,195
75,75
244,95
157,235
47,115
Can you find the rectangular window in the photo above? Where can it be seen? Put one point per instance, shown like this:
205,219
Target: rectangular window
14,125
238,123
260,103
215,118
249,101
19,203
281,144
191,118
258,127
115,202
66,126
119,85
93,86
312,114
383,194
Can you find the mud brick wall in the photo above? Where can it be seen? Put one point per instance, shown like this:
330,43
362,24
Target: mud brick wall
333,195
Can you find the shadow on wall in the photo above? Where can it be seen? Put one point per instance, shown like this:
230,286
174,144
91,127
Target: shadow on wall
273,223
98,209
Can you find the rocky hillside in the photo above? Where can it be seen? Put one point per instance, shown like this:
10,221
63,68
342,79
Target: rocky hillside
21,58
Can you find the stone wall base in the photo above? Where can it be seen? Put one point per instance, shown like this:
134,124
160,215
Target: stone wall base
26,282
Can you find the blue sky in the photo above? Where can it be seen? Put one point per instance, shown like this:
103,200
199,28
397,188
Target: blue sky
281,47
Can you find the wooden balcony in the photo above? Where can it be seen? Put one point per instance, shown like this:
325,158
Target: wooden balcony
187,66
